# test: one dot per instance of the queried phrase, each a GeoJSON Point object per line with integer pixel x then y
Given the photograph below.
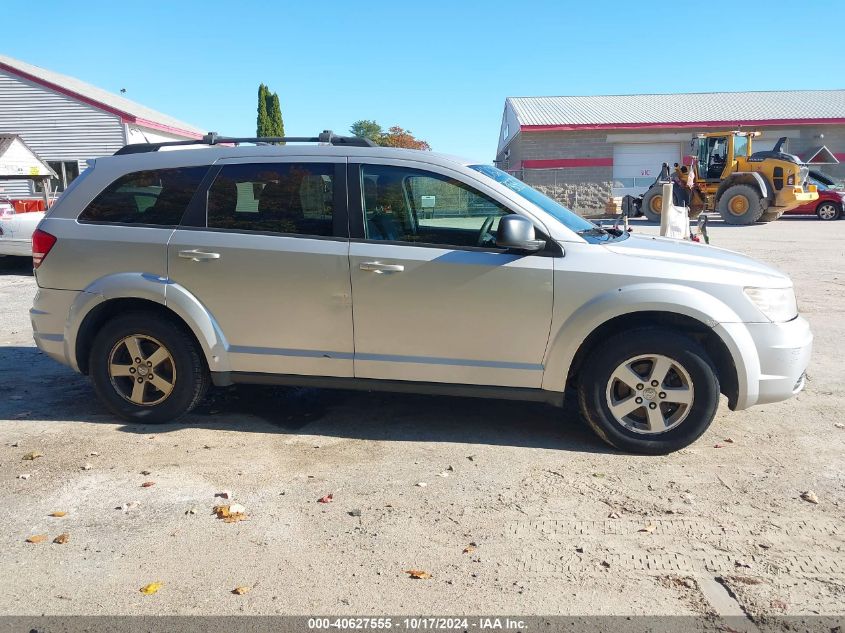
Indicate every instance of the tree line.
{"type": "Point", "coordinates": [271, 123]}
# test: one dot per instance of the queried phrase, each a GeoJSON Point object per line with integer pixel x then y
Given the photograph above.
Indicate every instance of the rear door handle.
{"type": "Point", "coordinates": [378, 267]}
{"type": "Point", "coordinates": [197, 255]}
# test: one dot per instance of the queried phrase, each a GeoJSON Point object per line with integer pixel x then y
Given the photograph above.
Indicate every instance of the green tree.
{"type": "Point", "coordinates": [270, 122]}
{"type": "Point", "coordinates": [263, 124]}
{"type": "Point", "coordinates": [367, 129]}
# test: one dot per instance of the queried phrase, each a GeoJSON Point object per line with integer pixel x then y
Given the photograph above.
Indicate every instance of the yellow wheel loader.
{"type": "Point", "coordinates": [744, 187]}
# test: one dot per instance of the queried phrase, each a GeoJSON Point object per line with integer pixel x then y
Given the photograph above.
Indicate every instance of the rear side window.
{"type": "Point", "coordinates": [293, 198]}
{"type": "Point", "coordinates": [156, 197]}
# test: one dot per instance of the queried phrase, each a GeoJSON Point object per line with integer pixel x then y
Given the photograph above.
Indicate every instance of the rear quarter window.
{"type": "Point", "coordinates": [156, 197]}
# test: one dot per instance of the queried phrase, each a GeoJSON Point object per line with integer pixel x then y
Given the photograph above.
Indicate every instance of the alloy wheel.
{"type": "Point", "coordinates": [142, 370]}
{"type": "Point", "coordinates": [650, 394]}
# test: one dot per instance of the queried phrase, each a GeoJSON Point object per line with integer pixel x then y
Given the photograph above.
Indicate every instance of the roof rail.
{"type": "Point", "coordinates": [213, 138]}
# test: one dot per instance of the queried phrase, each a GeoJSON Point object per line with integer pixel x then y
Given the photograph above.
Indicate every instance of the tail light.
{"type": "Point", "coordinates": [42, 242]}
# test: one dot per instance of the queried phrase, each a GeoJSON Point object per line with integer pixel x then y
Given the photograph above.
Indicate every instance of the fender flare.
{"type": "Point", "coordinates": [747, 178]}
{"type": "Point", "coordinates": [671, 298]}
{"type": "Point", "coordinates": [160, 290]}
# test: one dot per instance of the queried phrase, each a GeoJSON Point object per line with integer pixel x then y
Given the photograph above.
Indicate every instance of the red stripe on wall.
{"type": "Point", "coordinates": [681, 124]}
{"type": "Point", "coordinates": [558, 163]}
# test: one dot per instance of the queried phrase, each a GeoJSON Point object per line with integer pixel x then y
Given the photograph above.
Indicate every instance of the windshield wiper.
{"type": "Point", "coordinates": [596, 230]}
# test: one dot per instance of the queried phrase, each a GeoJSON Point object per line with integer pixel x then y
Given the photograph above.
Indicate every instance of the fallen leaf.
{"type": "Point", "coordinates": [729, 440]}
{"type": "Point", "coordinates": [809, 496]}
{"type": "Point", "coordinates": [418, 574]}
{"type": "Point", "coordinates": [471, 458]}
{"type": "Point", "coordinates": [32, 455]}
{"type": "Point", "coordinates": [327, 499]}
{"type": "Point", "coordinates": [469, 549]}
{"type": "Point", "coordinates": [651, 527]}
{"type": "Point", "coordinates": [239, 591]}
{"type": "Point", "coordinates": [58, 513]}
{"type": "Point", "coordinates": [61, 539]}
{"type": "Point", "coordinates": [146, 472]}
{"type": "Point", "coordinates": [225, 494]}
{"type": "Point", "coordinates": [147, 484]}
{"type": "Point", "coordinates": [231, 514]}
{"type": "Point", "coordinates": [151, 588]}
{"type": "Point", "coordinates": [599, 475]}
{"type": "Point", "coordinates": [37, 538]}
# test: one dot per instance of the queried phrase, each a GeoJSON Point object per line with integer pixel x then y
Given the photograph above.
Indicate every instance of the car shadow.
{"type": "Point", "coordinates": [14, 265]}
{"type": "Point", "coordinates": [34, 387]}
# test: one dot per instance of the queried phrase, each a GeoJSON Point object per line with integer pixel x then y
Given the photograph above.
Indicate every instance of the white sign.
{"type": "Point", "coordinates": [427, 202]}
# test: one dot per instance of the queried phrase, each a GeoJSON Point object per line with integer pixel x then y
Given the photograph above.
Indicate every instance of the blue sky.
{"type": "Point", "coordinates": [440, 69]}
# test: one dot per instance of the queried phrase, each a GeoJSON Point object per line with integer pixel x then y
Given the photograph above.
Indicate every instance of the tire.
{"type": "Point", "coordinates": [631, 355]}
{"type": "Point", "coordinates": [652, 204]}
{"type": "Point", "coordinates": [828, 211]}
{"type": "Point", "coordinates": [740, 204]}
{"type": "Point", "coordinates": [180, 365]}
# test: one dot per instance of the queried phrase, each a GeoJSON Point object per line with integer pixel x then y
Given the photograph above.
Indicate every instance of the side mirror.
{"type": "Point", "coordinates": [516, 232]}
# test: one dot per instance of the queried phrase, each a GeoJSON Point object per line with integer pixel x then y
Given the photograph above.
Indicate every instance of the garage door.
{"type": "Point", "coordinates": [637, 165]}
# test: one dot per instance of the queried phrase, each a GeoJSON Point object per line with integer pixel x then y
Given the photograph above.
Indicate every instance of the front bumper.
{"type": "Point", "coordinates": [774, 360]}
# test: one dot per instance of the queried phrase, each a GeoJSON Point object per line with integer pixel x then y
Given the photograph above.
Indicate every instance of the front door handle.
{"type": "Point", "coordinates": [378, 267]}
{"type": "Point", "coordinates": [198, 255]}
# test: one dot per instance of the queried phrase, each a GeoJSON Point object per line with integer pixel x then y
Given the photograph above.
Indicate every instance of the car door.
{"type": "Point", "coordinates": [434, 299]}
{"type": "Point", "coordinates": [267, 256]}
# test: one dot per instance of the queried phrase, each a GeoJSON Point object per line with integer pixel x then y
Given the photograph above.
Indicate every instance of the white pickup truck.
{"type": "Point", "coordinates": [16, 230]}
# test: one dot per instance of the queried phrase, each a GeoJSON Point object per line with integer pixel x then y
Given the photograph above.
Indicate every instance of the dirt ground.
{"type": "Point", "coordinates": [511, 507]}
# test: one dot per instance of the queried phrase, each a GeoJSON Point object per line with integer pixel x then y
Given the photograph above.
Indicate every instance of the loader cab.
{"type": "Point", "coordinates": [715, 154]}
{"type": "Point", "coordinates": [712, 156]}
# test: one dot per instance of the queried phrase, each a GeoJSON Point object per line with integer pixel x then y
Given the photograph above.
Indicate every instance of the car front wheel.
{"type": "Point", "coordinates": [649, 391]}
{"type": "Point", "coordinates": [147, 368]}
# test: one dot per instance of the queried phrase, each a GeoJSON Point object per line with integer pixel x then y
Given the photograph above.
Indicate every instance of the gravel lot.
{"type": "Point", "coordinates": [523, 510]}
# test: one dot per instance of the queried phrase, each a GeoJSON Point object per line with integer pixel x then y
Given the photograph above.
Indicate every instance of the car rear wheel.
{"type": "Point", "coordinates": [649, 391]}
{"type": "Point", "coordinates": [828, 211]}
{"type": "Point", "coordinates": [146, 368]}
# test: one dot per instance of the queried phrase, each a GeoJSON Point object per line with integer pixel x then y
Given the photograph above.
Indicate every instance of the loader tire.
{"type": "Point", "coordinates": [740, 204]}
{"type": "Point", "coordinates": [652, 204]}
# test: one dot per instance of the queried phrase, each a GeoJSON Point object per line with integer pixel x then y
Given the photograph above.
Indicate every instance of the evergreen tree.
{"type": "Point", "coordinates": [274, 113]}
{"type": "Point", "coordinates": [263, 123]}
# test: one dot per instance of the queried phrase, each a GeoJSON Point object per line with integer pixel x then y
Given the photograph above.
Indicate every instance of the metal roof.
{"type": "Point", "coordinates": [654, 109]}
{"type": "Point", "coordinates": [126, 108]}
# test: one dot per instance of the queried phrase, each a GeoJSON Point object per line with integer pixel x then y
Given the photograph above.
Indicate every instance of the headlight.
{"type": "Point", "coordinates": [778, 304]}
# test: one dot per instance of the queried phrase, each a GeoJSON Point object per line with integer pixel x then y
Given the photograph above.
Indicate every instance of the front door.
{"type": "Point", "coordinates": [269, 261]}
{"type": "Point", "coordinates": [434, 299]}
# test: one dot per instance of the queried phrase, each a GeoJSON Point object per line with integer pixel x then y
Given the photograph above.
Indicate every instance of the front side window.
{"type": "Point", "coordinates": [293, 198]}
{"type": "Point", "coordinates": [410, 205]}
{"type": "Point", "coordinates": [740, 146]}
{"type": "Point", "coordinates": [156, 197]}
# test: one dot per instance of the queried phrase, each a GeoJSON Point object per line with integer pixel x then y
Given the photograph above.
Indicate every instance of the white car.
{"type": "Point", "coordinates": [16, 230]}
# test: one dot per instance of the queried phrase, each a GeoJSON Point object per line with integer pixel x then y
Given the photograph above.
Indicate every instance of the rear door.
{"type": "Point", "coordinates": [267, 256]}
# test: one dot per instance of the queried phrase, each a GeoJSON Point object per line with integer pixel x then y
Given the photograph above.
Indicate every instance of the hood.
{"type": "Point", "coordinates": [664, 251]}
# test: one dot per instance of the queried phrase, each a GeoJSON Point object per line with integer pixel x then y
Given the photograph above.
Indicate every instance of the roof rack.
{"type": "Point", "coordinates": [213, 138]}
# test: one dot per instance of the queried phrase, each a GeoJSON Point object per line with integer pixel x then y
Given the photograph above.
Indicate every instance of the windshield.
{"type": "Point", "coordinates": [584, 228]}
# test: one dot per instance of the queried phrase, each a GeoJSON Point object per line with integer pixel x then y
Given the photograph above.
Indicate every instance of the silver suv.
{"type": "Point", "coordinates": [343, 265]}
